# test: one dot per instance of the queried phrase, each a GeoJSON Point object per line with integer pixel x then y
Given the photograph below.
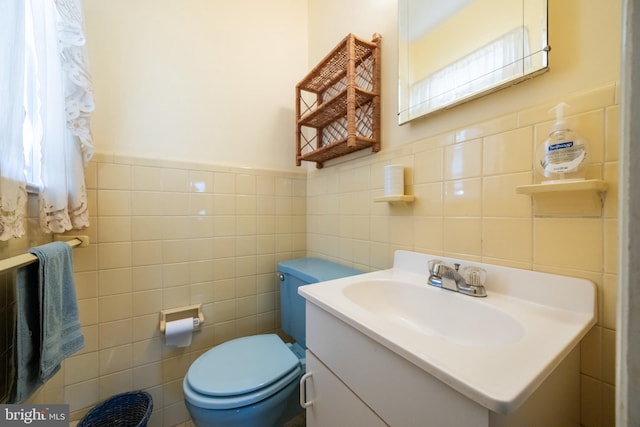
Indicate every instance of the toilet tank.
{"type": "Point", "coordinates": [299, 272]}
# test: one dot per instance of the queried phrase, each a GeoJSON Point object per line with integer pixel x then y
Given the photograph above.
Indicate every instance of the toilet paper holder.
{"type": "Point", "coordinates": [193, 311]}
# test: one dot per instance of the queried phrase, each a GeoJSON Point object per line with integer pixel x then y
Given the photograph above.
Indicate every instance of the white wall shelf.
{"type": "Point", "coordinates": [595, 185]}
{"type": "Point", "coordinates": [566, 198]}
{"type": "Point", "coordinates": [394, 199]}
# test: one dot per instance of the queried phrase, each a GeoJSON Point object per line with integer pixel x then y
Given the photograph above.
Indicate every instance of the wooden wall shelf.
{"type": "Point", "coordinates": [338, 103]}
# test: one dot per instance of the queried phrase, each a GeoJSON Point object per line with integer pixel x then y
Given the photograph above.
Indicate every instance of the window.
{"type": "Point", "coordinates": [44, 117]}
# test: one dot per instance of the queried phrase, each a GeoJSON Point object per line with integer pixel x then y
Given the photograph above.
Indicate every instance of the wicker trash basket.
{"type": "Point", "coordinates": [131, 409]}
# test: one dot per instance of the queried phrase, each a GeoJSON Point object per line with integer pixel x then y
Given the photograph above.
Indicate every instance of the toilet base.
{"type": "Point", "coordinates": [292, 412]}
{"type": "Point", "coordinates": [271, 412]}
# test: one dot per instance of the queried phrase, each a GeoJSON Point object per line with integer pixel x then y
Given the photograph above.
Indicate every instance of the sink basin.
{"type": "Point", "coordinates": [436, 312]}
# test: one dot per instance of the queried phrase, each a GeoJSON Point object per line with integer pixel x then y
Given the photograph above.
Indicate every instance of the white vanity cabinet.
{"type": "Point", "coordinates": [398, 391]}
{"type": "Point", "coordinates": [387, 348]}
{"type": "Point", "coordinates": [332, 403]}
{"type": "Point", "coordinates": [356, 382]}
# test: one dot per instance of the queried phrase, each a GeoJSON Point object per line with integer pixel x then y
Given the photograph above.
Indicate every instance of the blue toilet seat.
{"type": "Point", "coordinates": [241, 372]}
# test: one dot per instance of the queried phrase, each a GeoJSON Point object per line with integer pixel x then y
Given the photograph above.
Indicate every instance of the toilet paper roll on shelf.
{"type": "Point", "coordinates": [393, 180]}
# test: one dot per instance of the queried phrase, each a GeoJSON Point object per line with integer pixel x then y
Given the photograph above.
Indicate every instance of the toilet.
{"type": "Point", "coordinates": [253, 381]}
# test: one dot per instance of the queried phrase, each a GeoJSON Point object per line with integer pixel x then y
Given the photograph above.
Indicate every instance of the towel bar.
{"type": "Point", "coordinates": [26, 259]}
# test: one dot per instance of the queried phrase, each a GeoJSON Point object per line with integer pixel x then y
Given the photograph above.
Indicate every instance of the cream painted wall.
{"type": "Point", "coordinates": [581, 57]}
{"type": "Point", "coordinates": [210, 81]}
{"type": "Point", "coordinates": [213, 81]}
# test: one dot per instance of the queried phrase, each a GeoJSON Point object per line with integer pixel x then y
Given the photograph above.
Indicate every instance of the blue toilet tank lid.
{"type": "Point", "coordinates": [312, 270]}
{"type": "Point", "coordinates": [241, 366]}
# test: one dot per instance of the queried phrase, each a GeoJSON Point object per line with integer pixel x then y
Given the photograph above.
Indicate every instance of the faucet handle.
{"type": "Point", "coordinates": [474, 275]}
{"type": "Point", "coordinates": [434, 266]}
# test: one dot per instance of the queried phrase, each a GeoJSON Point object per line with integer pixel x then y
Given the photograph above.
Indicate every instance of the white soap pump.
{"type": "Point", "coordinates": [563, 155]}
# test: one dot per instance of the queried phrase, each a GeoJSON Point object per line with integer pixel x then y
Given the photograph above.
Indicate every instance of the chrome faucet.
{"type": "Point", "coordinates": [443, 276]}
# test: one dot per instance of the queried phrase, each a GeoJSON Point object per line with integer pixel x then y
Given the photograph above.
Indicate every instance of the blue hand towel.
{"type": "Point", "coordinates": [26, 338]}
{"type": "Point", "coordinates": [61, 331]}
{"type": "Point", "coordinates": [47, 325]}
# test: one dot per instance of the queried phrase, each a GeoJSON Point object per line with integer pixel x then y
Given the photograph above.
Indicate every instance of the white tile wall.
{"type": "Point", "coordinates": [466, 207]}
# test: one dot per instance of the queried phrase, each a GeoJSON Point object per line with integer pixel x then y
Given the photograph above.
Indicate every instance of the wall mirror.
{"type": "Point", "coordinates": [452, 51]}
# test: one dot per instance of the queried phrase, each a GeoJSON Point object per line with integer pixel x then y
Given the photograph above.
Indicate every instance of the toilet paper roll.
{"type": "Point", "coordinates": [178, 332]}
{"type": "Point", "coordinates": [393, 180]}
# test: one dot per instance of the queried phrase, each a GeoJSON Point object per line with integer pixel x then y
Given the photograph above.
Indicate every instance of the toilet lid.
{"type": "Point", "coordinates": [241, 366]}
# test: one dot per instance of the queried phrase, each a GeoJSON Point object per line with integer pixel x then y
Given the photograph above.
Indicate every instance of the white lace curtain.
{"type": "Point", "coordinates": [45, 106]}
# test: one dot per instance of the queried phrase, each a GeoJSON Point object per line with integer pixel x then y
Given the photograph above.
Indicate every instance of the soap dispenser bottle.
{"type": "Point", "coordinates": [563, 155]}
